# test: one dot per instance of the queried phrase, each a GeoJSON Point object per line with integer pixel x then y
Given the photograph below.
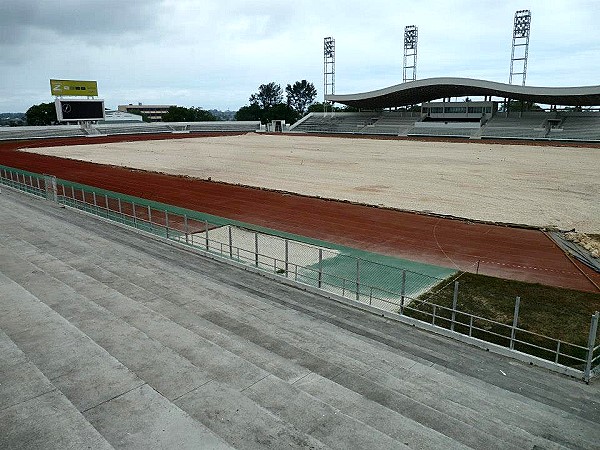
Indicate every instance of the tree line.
{"type": "Point", "coordinates": [268, 102]}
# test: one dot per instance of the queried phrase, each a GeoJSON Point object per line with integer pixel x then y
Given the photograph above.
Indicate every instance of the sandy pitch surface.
{"type": "Point", "coordinates": [542, 186]}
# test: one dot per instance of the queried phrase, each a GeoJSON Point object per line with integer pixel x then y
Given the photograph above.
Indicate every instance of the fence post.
{"type": "Point", "coordinates": [206, 234]}
{"type": "Point", "coordinates": [230, 239]}
{"type": "Point", "coordinates": [403, 291]}
{"type": "Point", "coordinates": [186, 228]}
{"type": "Point", "coordinates": [95, 202]}
{"type": "Point", "coordinates": [150, 218]}
{"type": "Point", "coordinates": [591, 345]}
{"type": "Point", "coordinates": [120, 206]}
{"type": "Point", "coordinates": [287, 256]}
{"type": "Point", "coordinates": [320, 281]}
{"type": "Point", "coordinates": [454, 303]}
{"type": "Point", "coordinates": [134, 217]}
{"type": "Point", "coordinates": [515, 323]}
{"type": "Point", "coordinates": [83, 198]}
{"type": "Point", "coordinates": [357, 279]}
{"type": "Point", "coordinates": [256, 249]}
{"type": "Point", "coordinates": [50, 185]}
{"type": "Point", "coordinates": [167, 223]}
{"type": "Point", "coordinates": [106, 204]}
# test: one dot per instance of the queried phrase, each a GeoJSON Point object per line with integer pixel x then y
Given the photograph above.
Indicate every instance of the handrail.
{"type": "Point", "coordinates": [314, 274]}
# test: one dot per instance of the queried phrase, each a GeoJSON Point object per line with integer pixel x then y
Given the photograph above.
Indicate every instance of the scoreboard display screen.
{"type": "Point", "coordinates": [74, 110]}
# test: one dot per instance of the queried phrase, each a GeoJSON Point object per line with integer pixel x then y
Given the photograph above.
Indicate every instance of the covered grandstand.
{"type": "Point", "coordinates": [571, 114]}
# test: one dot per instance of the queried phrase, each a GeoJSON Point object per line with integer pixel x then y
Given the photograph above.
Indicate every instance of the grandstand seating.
{"type": "Point", "coordinates": [394, 123]}
{"type": "Point", "coordinates": [458, 132]}
{"type": "Point", "coordinates": [580, 127]}
{"type": "Point", "coordinates": [532, 125]}
{"type": "Point", "coordinates": [128, 128]}
{"type": "Point", "coordinates": [223, 126]}
{"type": "Point", "coordinates": [15, 133]}
{"type": "Point", "coordinates": [334, 123]}
{"type": "Point", "coordinates": [379, 122]}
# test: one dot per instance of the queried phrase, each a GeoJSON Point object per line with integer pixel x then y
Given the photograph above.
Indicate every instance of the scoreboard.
{"type": "Point", "coordinates": [80, 109]}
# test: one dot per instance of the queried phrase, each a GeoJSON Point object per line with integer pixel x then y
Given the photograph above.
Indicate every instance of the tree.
{"type": "Point", "coordinates": [300, 95]}
{"type": "Point", "coordinates": [182, 114]}
{"type": "Point", "coordinates": [252, 112]}
{"type": "Point", "coordinates": [42, 114]}
{"type": "Point", "coordinates": [518, 106]}
{"type": "Point", "coordinates": [268, 95]}
{"type": "Point", "coordinates": [281, 111]}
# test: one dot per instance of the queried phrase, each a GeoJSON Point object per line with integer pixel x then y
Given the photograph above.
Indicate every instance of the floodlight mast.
{"type": "Point", "coordinates": [409, 66]}
{"type": "Point", "coordinates": [328, 70]}
{"type": "Point", "coordinates": [520, 45]}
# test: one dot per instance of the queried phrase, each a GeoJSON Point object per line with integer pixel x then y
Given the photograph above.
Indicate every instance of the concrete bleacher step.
{"type": "Point", "coordinates": [237, 378]}
{"type": "Point", "coordinates": [156, 288]}
{"type": "Point", "coordinates": [92, 379]}
{"type": "Point", "coordinates": [34, 414]}
{"type": "Point", "coordinates": [225, 319]}
{"type": "Point", "coordinates": [65, 273]}
{"type": "Point", "coordinates": [307, 360]}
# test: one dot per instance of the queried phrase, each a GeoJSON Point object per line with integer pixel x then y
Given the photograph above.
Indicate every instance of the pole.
{"type": "Point", "coordinates": [186, 228]}
{"type": "Point", "coordinates": [206, 233]}
{"type": "Point", "coordinates": [230, 242]}
{"type": "Point", "coordinates": [515, 323]}
{"type": "Point", "coordinates": [320, 281]}
{"type": "Point", "coordinates": [287, 257]}
{"type": "Point", "coordinates": [167, 223]}
{"type": "Point", "coordinates": [256, 249]}
{"type": "Point", "coordinates": [134, 218]}
{"type": "Point", "coordinates": [403, 291]}
{"type": "Point", "coordinates": [454, 303]}
{"type": "Point", "coordinates": [357, 279]}
{"type": "Point", "coordinates": [591, 345]}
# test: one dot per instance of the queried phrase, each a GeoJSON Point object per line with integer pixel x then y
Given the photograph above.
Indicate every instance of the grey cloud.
{"type": "Point", "coordinates": [89, 20]}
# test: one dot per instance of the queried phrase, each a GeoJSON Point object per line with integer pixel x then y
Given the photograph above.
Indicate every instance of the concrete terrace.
{"type": "Point", "coordinates": [109, 339]}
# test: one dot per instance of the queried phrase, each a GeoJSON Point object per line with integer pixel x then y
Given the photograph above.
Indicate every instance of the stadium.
{"type": "Point", "coordinates": [322, 284]}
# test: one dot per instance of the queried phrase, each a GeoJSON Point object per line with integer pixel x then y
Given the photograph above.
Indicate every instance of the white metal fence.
{"type": "Point", "coordinates": [387, 288]}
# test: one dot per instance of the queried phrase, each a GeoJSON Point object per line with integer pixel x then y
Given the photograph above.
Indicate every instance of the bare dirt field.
{"type": "Point", "coordinates": [534, 185]}
{"type": "Point", "coordinates": [500, 251]}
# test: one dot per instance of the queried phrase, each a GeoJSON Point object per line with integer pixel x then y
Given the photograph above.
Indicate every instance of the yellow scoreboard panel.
{"type": "Point", "coordinates": [74, 87]}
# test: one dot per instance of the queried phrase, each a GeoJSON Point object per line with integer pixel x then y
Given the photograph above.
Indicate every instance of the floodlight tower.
{"type": "Point", "coordinates": [328, 69]}
{"type": "Point", "coordinates": [520, 44]}
{"type": "Point", "coordinates": [409, 67]}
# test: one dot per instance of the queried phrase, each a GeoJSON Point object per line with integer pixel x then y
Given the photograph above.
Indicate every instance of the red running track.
{"type": "Point", "coordinates": [502, 251]}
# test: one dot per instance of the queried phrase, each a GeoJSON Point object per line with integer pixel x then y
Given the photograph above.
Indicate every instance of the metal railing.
{"type": "Point", "coordinates": [387, 288]}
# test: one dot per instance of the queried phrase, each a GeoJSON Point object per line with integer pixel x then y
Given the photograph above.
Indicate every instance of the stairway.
{"type": "Point", "coordinates": [141, 345]}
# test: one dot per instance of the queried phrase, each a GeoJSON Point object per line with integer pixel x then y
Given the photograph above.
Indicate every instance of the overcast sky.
{"type": "Point", "coordinates": [214, 54]}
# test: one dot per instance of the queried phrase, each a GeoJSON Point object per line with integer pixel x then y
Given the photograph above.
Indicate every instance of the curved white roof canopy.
{"type": "Point", "coordinates": [419, 91]}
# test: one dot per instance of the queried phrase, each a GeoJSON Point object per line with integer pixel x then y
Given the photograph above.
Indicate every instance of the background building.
{"type": "Point", "coordinates": [154, 112]}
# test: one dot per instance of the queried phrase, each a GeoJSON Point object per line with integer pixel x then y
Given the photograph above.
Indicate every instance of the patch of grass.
{"type": "Point", "coordinates": [554, 312]}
